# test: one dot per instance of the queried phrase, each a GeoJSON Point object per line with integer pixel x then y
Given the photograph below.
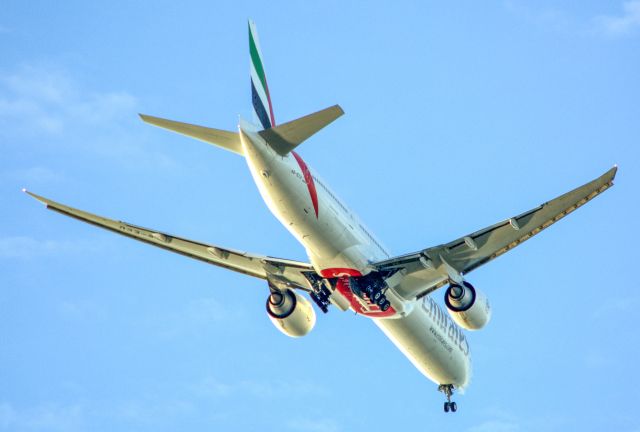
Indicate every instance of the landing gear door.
{"type": "Point", "coordinates": [339, 301]}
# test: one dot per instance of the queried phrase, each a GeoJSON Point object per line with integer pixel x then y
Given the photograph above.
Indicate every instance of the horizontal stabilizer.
{"type": "Point", "coordinates": [286, 137]}
{"type": "Point", "coordinates": [221, 138]}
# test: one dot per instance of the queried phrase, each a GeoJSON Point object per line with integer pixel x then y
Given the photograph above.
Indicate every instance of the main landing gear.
{"type": "Point", "coordinates": [320, 294]}
{"type": "Point", "coordinates": [372, 287]}
{"type": "Point", "coordinates": [377, 297]}
{"type": "Point", "coordinates": [447, 389]}
{"type": "Point", "coordinates": [321, 297]}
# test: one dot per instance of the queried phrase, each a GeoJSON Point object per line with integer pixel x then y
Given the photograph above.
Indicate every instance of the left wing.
{"type": "Point", "coordinates": [423, 272]}
{"type": "Point", "coordinates": [277, 270]}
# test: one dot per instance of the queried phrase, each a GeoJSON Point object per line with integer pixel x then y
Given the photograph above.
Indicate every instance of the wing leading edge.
{"type": "Point", "coordinates": [264, 267]}
{"type": "Point", "coordinates": [428, 269]}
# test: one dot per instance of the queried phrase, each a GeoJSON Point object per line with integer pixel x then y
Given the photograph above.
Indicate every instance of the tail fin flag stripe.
{"type": "Point", "coordinates": [260, 90]}
{"type": "Point", "coordinates": [259, 108]}
{"type": "Point", "coordinates": [266, 87]}
{"type": "Point", "coordinates": [256, 60]}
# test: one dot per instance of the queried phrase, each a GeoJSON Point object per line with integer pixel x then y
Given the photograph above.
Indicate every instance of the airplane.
{"type": "Point", "coordinates": [348, 268]}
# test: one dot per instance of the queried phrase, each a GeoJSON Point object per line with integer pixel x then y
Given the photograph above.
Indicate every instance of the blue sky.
{"type": "Point", "coordinates": [457, 115]}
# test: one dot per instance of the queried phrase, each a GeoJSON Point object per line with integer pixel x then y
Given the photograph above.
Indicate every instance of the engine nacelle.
{"type": "Point", "coordinates": [468, 307]}
{"type": "Point", "coordinates": [291, 313]}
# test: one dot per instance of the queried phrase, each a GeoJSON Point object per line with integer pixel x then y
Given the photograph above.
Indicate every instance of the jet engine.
{"type": "Point", "coordinates": [290, 312]}
{"type": "Point", "coordinates": [468, 307]}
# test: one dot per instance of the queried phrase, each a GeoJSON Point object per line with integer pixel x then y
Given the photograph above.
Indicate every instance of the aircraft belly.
{"type": "Point", "coordinates": [434, 345]}
{"type": "Point", "coordinates": [310, 218]}
{"type": "Point", "coordinates": [324, 235]}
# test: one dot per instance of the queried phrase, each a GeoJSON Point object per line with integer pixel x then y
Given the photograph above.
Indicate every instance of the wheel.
{"type": "Point", "coordinates": [385, 306]}
{"type": "Point", "coordinates": [376, 296]}
{"type": "Point", "coordinates": [382, 300]}
{"type": "Point", "coordinates": [446, 407]}
{"type": "Point", "coordinates": [454, 406]}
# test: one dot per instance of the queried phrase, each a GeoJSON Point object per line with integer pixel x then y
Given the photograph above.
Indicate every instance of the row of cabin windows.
{"type": "Point", "coordinates": [347, 212]}
{"type": "Point", "coordinates": [372, 239]}
{"type": "Point", "coordinates": [326, 189]}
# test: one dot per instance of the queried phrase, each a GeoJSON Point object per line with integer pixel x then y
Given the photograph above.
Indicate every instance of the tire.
{"type": "Point", "coordinates": [385, 306]}
{"type": "Point", "coordinates": [376, 296]}
{"type": "Point", "coordinates": [382, 300]}
{"type": "Point", "coordinates": [446, 407]}
{"type": "Point", "coordinates": [454, 407]}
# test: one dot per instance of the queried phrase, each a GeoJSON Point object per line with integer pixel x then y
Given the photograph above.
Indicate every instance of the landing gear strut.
{"type": "Point", "coordinates": [447, 389]}
{"type": "Point", "coordinates": [321, 298]}
{"type": "Point", "coordinates": [320, 294]}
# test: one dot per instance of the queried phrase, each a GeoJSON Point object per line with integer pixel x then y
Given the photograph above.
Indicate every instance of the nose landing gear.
{"type": "Point", "coordinates": [447, 389]}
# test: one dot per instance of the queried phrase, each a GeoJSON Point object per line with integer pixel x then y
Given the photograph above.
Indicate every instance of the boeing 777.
{"type": "Point", "coordinates": [348, 268]}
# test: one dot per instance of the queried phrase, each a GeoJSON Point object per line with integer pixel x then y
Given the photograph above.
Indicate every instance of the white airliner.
{"type": "Point", "coordinates": [347, 266]}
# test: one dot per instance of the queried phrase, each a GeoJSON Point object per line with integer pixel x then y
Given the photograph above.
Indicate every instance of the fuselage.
{"type": "Point", "coordinates": [339, 245]}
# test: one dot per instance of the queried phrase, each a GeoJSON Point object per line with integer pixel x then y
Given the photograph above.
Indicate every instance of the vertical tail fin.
{"type": "Point", "coordinates": [259, 90]}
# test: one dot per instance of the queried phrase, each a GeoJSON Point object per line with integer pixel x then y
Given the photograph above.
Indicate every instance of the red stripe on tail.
{"type": "Point", "coordinates": [308, 178]}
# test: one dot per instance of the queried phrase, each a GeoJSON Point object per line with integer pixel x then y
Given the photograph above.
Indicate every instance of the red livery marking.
{"type": "Point", "coordinates": [308, 178]}
{"type": "Point", "coordinates": [266, 87]}
{"type": "Point", "coordinates": [337, 272]}
{"type": "Point", "coordinates": [368, 309]}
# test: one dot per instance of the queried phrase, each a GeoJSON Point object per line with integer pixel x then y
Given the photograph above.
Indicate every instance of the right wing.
{"type": "Point", "coordinates": [289, 272]}
{"type": "Point", "coordinates": [424, 271]}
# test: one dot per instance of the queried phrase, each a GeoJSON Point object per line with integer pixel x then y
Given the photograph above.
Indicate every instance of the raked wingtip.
{"type": "Point", "coordinates": [37, 197]}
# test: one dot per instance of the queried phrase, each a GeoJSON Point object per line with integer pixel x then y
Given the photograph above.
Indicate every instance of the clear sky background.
{"type": "Point", "coordinates": [458, 114]}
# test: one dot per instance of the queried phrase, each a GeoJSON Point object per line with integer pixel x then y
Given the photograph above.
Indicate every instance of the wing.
{"type": "Point", "coordinates": [424, 271]}
{"type": "Point", "coordinates": [265, 267]}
